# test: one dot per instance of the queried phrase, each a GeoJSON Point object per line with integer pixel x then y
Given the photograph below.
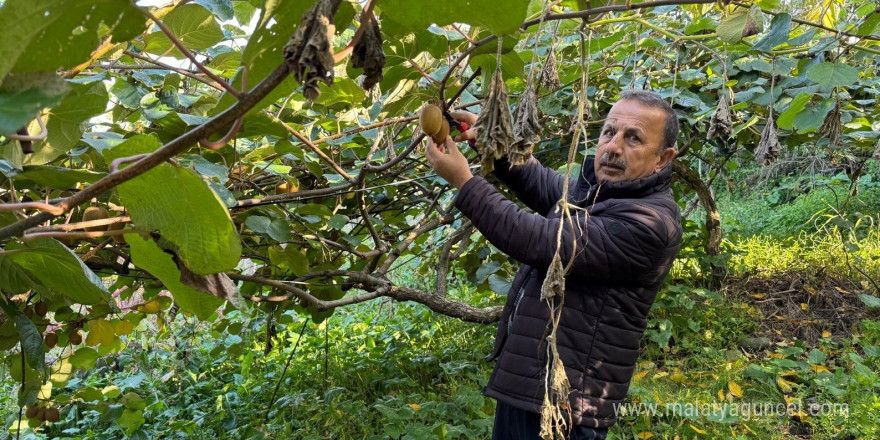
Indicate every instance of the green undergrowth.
{"type": "Point", "coordinates": [384, 370]}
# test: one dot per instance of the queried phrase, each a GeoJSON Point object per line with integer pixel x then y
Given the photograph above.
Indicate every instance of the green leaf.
{"type": "Point", "coordinates": [731, 28]}
{"type": "Point", "coordinates": [52, 34]}
{"type": "Point", "coordinates": [833, 74]}
{"type": "Point", "coordinates": [221, 8]}
{"type": "Point", "coordinates": [500, 16]}
{"type": "Point", "coordinates": [100, 333]}
{"type": "Point", "coordinates": [66, 121]}
{"type": "Point", "coordinates": [84, 359]}
{"type": "Point", "coordinates": [870, 24]}
{"type": "Point", "coordinates": [870, 300]}
{"type": "Point", "coordinates": [178, 204]}
{"type": "Point", "coordinates": [54, 266]}
{"type": "Point", "coordinates": [786, 119]}
{"type": "Point", "coordinates": [31, 342]}
{"type": "Point", "coordinates": [296, 260]}
{"type": "Point", "coordinates": [192, 24]}
{"type": "Point", "coordinates": [780, 27]}
{"type": "Point", "coordinates": [15, 279]}
{"type": "Point", "coordinates": [130, 420]}
{"type": "Point", "coordinates": [812, 118]}
{"type": "Point", "coordinates": [24, 94]}
{"type": "Point", "coordinates": [58, 177]}
{"type": "Point", "coordinates": [147, 255]}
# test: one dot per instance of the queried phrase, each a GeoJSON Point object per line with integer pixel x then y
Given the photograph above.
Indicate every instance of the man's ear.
{"type": "Point", "coordinates": [665, 157]}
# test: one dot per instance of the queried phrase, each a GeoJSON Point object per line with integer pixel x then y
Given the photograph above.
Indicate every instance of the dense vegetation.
{"type": "Point", "coordinates": [210, 229]}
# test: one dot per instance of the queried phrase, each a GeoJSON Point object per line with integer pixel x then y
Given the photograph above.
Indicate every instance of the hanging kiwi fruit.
{"type": "Point", "coordinates": [433, 123]}
{"type": "Point", "coordinates": [95, 213]}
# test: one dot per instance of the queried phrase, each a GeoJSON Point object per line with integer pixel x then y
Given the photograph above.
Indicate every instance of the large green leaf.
{"type": "Point", "coordinates": [192, 24]}
{"type": "Point", "coordinates": [178, 204]}
{"type": "Point", "coordinates": [786, 119]}
{"type": "Point", "coordinates": [31, 342]}
{"type": "Point", "coordinates": [147, 255]}
{"type": "Point", "coordinates": [780, 27]}
{"type": "Point", "coordinates": [52, 34]}
{"type": "Point", "coordinates": [24, 94]}
{"type": "Point", "coordinates": [833, 74]}
{"type": "Point", "coordinates": [499, 16]}
{"type": "Point", "coordinates": [67, 119]}
{"type": "Point", "coordinates": [14, 279]}
{"type": "Point", "coordinates": [52, 265]}
{"type": "Point", "coordinates": [58, 177]}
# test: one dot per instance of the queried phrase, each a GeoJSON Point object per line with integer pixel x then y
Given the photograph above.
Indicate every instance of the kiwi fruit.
{"type": "Point", "coordinates": [75, 337]}
{"type": "Point", "coordinates": [440, 136]}
{"type": "Point", "coordinates": [51, 340]}
{"type": "Point", "coordinates": [431, 119]}
{"type": "Point", "coordinates": [29, 312]}
{"type": "Point", "coordinates": [52, 414]}
{"type": "Point", "coordinates": [95, 213]}
{"type": "Point", "coordinates": [31, 412]}
{"type": "Point", "coordinates": [41, 414]}
{"type": "Point", "coordinates": [41, 309]}
{"type": "Point", "coordinates": [118, 226]}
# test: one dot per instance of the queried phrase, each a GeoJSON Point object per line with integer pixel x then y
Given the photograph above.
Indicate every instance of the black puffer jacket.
{"type": "Point", "coordinates": [623, 250]}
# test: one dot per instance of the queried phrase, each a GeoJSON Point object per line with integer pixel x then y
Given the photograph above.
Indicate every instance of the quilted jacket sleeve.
{"type": "Point", "coordinates": [622, 244]}
{"type": "Point", "coordinates": [524, 179]}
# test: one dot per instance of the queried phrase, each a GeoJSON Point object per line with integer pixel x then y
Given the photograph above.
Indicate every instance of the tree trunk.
{"type": "Point", "coordinates": [713, 217]}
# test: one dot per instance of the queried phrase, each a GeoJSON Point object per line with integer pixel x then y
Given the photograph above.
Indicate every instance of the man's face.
{"type": "Point", "coordinates": [629, 143]}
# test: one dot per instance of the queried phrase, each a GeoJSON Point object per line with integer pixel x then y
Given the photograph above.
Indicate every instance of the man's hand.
{"type": "Point", "coordinates": [448, 162]}
{"type": "Point", "coordinates": [471, 119]}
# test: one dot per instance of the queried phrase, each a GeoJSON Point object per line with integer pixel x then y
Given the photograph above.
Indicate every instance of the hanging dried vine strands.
{"type": "Point", "coordinates": [309, 51]}
{"type": "Point", "coordinates": [556, 408]}
{"type": "Point", "coordinates": [876, 154]}
{"type": "Point", "coordinates": [526, 127]}
{"type": "Point", "coordinates": [768, 148]}
{"type": "Point", "coordinates": [495, 127]}
{"type": "Point", "coordinates": [720, 125]}
{"type": "Point", "coordinates": [831, 126]}
{"type": "Point", "coordinates": [368, 54]}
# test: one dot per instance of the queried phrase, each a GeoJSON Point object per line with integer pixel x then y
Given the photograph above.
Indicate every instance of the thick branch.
{"type": "Point", "coordinates": [169, 150]}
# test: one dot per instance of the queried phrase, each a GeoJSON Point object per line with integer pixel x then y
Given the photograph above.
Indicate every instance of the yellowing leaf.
{"type": "Point", "coordinates": [721, 394]}
{"type": "Point", "coordinates": [640, 375]}
{"type": "Point", "coordinates": [784, 385]}
{"type": "Point", "coordinates": [415, 406]}
{"type": "Point", "coordinates": [123, 327]}
{"type": "Point", "coordinates": [678, 377]}
{"type": "Point", "coordinates": [826, 334]}
{"type": "Point", "coordinates": [697, 430]}
{"type": "Point", "coordinates": [100, 333]}
{"type": "Point", "coordinates": [660, 374]}
{"type": "Point", "coordinates": [841, 290]}
{"type": "Point", "coordinates": [735, 389]}
{"type": "Point", "coordinates": [788, 373]}
{"type": "Point", "coordinates": [804, 306]}
{"type": "Point", "coordinates": [758, 295]}
{"type": "Point", "coordinates": [645, 435]}
{"type": "Point", "coordinates": [864, 285]}
{"type": "Point", "coordinates": [819, 368]}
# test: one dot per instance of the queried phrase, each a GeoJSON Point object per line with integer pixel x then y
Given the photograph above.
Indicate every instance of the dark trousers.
{"type": "Point", "coordinates": [517, 424]}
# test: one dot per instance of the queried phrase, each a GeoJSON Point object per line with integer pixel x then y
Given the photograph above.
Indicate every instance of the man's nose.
{"type": "Point", "coordinates": [615, 145]}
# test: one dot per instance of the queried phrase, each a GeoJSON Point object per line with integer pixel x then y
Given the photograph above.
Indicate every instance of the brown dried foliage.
{"type": "Point", "coordinates": [720, 125]}
{"type": "Point", "coordinates": [309, 51]}
{"type": "Point", "coordinates": [368, 54]}
{"type": "Point", "coordinates": [548, 77]}
{"type": "Point", "coordinates": [831, 126]}
{"type": "Point", "coordinates": [526, 127]}
{"type": "Point", "coordinates": [495, 125]}
{"type": "Point", "coordinates": [768, 148]}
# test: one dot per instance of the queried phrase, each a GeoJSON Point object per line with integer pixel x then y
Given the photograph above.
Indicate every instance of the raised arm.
{"type": "Point", "coordinates": [624, 244]}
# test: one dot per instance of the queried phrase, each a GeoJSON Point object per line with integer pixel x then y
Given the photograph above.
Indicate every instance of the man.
{"type": "Point", "coordinates": [623, 248]}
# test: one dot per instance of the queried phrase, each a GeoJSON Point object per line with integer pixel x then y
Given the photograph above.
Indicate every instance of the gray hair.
{"type": "Point", "coordinates": [651, 99]}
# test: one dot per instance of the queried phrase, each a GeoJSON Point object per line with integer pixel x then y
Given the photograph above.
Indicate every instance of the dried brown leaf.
{"type": "Point", "coordinates": [368, 55]}
{"type": "Point", "coordinates": [548, 77]}
{"type": "Point", "coordinates": [720, 125]}
{"type": "Point", "coordinates": [309, 52]}
{"type": "Point", "coordinates": [495, 126]}
{"type": "Point", "coordinates": [831, 126]}
{"type": "Point", "coordinates": [769, 147]}
{"type": "Point", "coordinates": [526, 127]}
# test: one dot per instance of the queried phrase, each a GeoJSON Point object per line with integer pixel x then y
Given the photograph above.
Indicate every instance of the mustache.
{"type": "Point", "coordinates": [607, 159]}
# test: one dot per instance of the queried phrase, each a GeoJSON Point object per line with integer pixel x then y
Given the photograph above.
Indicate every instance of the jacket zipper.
{"type": "Point", "coordinates": [519, 296]}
